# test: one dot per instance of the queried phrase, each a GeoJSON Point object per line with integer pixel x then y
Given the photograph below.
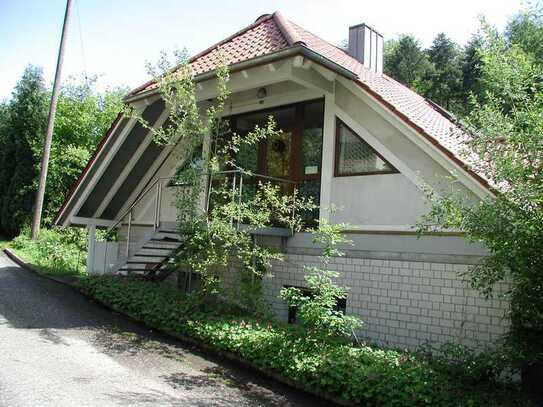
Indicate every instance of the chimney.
{"type": "Point", "coordinates": [366, 45]}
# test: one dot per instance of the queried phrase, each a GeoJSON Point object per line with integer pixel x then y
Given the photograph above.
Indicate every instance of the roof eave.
{"type": "Point", "coordinates": [295, 50]}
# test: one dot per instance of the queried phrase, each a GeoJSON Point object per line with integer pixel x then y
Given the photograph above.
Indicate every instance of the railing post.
{"type": "Point", "coordinates": [128, 233]}
{"type": "Point", "coordinates": [157, 205]}
{"type": "Point", "coordinates": [240, 197]}
{"type": "Point", "coordinates": [234, 181]}
{"type": "Point", "coordinates": [293, 209]}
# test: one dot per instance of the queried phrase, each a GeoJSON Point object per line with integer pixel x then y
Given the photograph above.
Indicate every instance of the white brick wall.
{"type": "Point", "coordinates": [402, 303]}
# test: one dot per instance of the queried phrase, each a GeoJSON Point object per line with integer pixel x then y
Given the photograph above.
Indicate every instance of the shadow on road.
{"type": "Point", "coordinates": [29, 301]}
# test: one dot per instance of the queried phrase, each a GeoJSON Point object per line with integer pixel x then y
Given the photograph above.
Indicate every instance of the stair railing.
{"type": "Point", "coordinates": [156, 188]}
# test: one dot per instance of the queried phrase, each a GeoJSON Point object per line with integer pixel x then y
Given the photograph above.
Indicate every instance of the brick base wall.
{"type": "Point", "coordinates": [402, 304]}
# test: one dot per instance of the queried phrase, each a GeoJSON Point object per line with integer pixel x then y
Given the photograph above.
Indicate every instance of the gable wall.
{"type": "Point", "coordinates": [384, 200]}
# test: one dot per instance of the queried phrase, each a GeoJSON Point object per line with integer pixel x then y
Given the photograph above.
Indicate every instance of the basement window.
{"type": "Point", "coordinates": [354, 156]}
{"type": "Point", "coordinates": [341, 305]}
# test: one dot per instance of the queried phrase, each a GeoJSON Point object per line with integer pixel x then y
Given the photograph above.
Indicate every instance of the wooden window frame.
{"type": "Point", "coordinates": [297, 139]}
{"type": "Point", "coordinates": [355, 174]}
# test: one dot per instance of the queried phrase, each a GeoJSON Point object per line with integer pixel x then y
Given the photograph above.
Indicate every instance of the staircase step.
{"type": "Point", "coordinates": [158, 248]}
{"type": "Point", "coordinates": [166, 240]}
{"type": "Point", "coordinates": [134, 269]}
{"type": "Point", "coordinates": [143, 262]}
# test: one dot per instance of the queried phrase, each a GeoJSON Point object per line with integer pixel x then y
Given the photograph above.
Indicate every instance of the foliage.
{"type": "Point", "coordinates": [57, 251]}
{"type": "Point", "coordinates": [316, 308]}
{"type": "Point", "coordinates": [83, 116]}
{"type": "Point", "coordinates": [506, 127]}
{"type": "Point", "coordinates": [446, 78]}
{"type": "Point", "coordinates": [467, 365]}
{"type": "Point", "coordinates": [210, 219]}
{"type": "Point", "coordinates": [23, 126]}
{"type": "Point", "coordinates": [406, 61]}
{"type": "Point", "coordinates": [362, 375]}
{"type": "Point", "coordinates": [526, 31]}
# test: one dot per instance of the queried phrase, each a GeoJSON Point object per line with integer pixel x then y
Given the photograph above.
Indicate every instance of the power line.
{"type": "Point", "coordinates": [80, 29]}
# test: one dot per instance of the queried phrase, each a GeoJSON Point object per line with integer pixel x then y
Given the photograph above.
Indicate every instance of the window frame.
{"type": "Point", "coordinates": [297, 139]}
{"type": "Point", "coordinates": [337, 173]}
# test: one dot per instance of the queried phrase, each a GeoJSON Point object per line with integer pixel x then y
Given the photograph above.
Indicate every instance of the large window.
{"type": "Point", "coordinates": [356, 157]}
{"type": "Point", "coordinates": [294, 155]}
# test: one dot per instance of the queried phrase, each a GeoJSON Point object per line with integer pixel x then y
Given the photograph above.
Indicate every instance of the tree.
{"type": "Point", "coordinates": [506, 127]}
{"type": "Point", "coordinates": [7, 164]}
{"type": "Point", "coordinates": [83, 116]}
{"type": "Point", "coordinates": [526, 31]}
{"type": "Point", "coordinates": [446, 79]}
{"type": "Point", "coordinates": [24, 130]}
{"type": "Point", "coordinates": [405, 61]}
{"type": "Point", "coordinates": [471, 73]}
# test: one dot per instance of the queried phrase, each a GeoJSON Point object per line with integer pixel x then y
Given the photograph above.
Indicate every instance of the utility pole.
{"type": "Point", "coordinates": [36, 221]}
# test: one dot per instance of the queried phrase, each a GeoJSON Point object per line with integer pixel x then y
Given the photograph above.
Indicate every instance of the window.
{"type": "Point", "coordinates": [341, 305]}
{"type": "Point", "coordinates": [356, 157]}
{"type": "Point", "coordinates": [294, 155]}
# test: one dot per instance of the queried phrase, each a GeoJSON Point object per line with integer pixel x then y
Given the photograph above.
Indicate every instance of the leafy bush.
{"type": "Point", "coordinates": [57, 251]}
{"type": "Point", "coordinates": [316, 307]}
{"type": "Point", "coordinates": [360, 374]}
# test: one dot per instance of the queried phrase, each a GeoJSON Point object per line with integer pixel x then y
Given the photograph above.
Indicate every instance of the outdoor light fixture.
{"type": "Point", "coordinates": [261, 93]}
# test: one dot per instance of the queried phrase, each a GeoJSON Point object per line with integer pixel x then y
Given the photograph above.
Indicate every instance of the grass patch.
{"type": "Point", "coordinates": [364, 375]}
{"type": "Point", "coordinates": [60, 252]}
{"type": "Point", "coordinates": [4, 242]}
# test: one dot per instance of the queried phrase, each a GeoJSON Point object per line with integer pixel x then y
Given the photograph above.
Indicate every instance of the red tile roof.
{"type": "Point", "coordinates": [272, 33]}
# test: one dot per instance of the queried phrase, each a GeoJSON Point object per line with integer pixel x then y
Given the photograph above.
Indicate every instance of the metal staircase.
{"type": "Point", "coordinates": [153, 254]}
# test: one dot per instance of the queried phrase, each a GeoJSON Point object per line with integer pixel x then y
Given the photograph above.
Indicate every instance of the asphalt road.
{"type": "Point", "coordinates": [59, 349]}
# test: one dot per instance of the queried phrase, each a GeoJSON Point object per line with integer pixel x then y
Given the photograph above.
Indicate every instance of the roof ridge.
{"type": "Point", "coordinates": [290, 34]}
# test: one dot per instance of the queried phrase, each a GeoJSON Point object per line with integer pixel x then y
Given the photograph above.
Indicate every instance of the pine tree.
{"type": "Point", "coordinates": [23, 133]}
{"type": "Point", "coordinates": [471, 72]}
{"type": "Point", "coordinates": [446, 80]}
{"type": "Point", "coordinates": [406, 62]}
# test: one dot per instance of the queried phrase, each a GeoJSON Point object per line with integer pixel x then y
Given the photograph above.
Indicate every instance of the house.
{"type": "Point", "coordinates": [355, 138]}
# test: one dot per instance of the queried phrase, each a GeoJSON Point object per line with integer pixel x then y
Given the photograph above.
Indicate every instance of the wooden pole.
{"type": "Point", "coordinates": [38, 207]}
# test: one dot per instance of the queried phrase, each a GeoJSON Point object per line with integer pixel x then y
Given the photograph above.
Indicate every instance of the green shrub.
{"type": "Point", "coordinates": [361, 374]}
{"type": "Point", "coordinates": [57, 251]}
{"type": "Point", "coordinates": [316, 307]}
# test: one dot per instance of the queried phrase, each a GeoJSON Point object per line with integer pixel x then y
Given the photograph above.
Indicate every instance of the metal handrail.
{"type": "Point", "coordinates": [158, 183]}
{"type": "Point", "coordinates": [140, 197]}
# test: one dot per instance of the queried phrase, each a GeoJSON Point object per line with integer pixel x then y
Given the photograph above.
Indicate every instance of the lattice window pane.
{"type": "Point", "coordinates": [355, 156]}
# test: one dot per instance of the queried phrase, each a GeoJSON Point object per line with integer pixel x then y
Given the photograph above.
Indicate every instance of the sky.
{"type": "Point", "coordinates": [114, 38]}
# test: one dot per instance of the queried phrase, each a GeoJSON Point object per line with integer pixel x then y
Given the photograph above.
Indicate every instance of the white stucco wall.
{"type": "Point", "coordinates": [384, 200]}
